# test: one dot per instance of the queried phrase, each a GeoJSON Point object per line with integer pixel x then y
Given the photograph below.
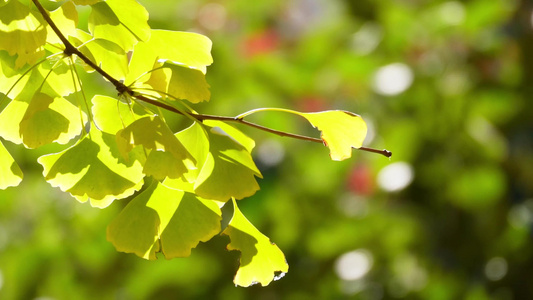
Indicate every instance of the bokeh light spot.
{"type": "Point", "coordinates": [353, 265]}
{"type": "Point", "coordinates": [452, 12]}
{"type": "Point", "coordinates": [396, 176]}
{"type": "Point", "coordinates": [367, 38]}
{"type": "Point", "coordinates": [270, 153]}
{"type": "Point", "coordinates": [212, 16]}
{"type": "Point", "coordinates": [521, 215]}
{"type": "Point", "coordinates": [392, 79]}
{"type": "Point", "coordinates": [496, 268]}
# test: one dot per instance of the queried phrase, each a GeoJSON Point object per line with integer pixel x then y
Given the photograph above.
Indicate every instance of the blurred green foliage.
{"type": "Point", "coordinates": [444, 85]}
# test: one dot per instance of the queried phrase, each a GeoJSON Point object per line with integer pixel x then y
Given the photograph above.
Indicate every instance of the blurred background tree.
{"type": "Point", "coordinates": [444, 85]}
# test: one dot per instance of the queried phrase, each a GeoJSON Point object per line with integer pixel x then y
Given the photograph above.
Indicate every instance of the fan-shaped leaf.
{"type": "Point", "coordinates": [226, 170]}
{"type": "Point", "coordinates": [65, 18]}
{"type": "Point", "coordinates": [85, 2]}
{"type": "Point", "coordinates": [40, 121]}
{"type": "Point", "coordinates": [111, 115]}
{"type": "Point", "coordinates": [93, 169]}
{"type": "Point", "coordinates": [21, 33]}
{"type": "Point", "coordinates": [341, 131]}
{"type": "Point", "coordinates": [106, 54]}
{"type": "Point", "coordinates": [10, 173]}
{"type": "Point", "coordinates": [166, 220]}
{"type": "Point", "coordinates": [260, 258]}
{"type": "Point", "coordinates": [188, 84]}
{"type": "Point", "coordinates": [189, 49]}
{"type": "Point", "coordinates": [168, 157]}
{"type": "Point", "coordinates": [124, 22]}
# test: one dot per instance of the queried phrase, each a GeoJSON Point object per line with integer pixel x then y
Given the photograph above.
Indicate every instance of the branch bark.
{"type": "Point", "coordinates": [123, 89]}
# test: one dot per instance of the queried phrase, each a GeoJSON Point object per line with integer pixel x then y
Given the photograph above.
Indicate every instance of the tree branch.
{"type": "Point", "coordinates": [123, 89]}
{"type": "Point", "coordinates": [70, 49]}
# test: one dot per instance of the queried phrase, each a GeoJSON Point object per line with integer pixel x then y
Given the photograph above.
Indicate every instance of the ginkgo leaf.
{"type": "Point", "coordinates": [93, 169]}
{"type": "Point", "coordinates": [341, 131]}
{"type": "Point", "coordinates": [228, 171]}
{"type": "Point", "coordinates": [65, 18]}
{"type": "Point", "coordinates": [225, 168]}
{"type": "Point", "coordinates": [21, 33]}
{"type": "Point", "coordinates": [124, 22]}
{"type": "Point", "coordinates": [234, 133]}
{"type": "Point", "coordinates": [153, 134]}
{"type": "Point", "coordinates": [106, 54]}
{"type": "Point", "coordinates": [111, 115]}
{"type": "Point", "coordinates": [9, 76]}
{"type": "Point", "coordinates": [260, 258]}
{"type": "Point", "coordinates": [188, 49]}
{"type": "Point", "coordinates": [40, 120]}
{"type": "Point", "coordinates": [85, 2]}
{"type": "Point", "coordinates": [52, 78]}
{"type": "Point", "coordinates": [35, 117]}
{"type": "Point", "coordinates": [10, 173]}
{"type": "Point", "coordinates": [161, 165]}
{"type": "Point", "coordinates": [164, 220]}
{"type": "Point", "coordinates": [186, 83]}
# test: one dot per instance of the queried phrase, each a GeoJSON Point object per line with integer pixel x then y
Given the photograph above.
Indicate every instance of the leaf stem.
{"type": "Point", "coordinates": [123, 89]}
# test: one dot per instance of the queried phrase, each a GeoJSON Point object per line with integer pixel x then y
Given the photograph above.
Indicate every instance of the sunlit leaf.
{"type": "Point", "coordinates": [153, 134]}
{"type": "Point", "coordinates": [85, 2]}
{"type": "Point", "coordinates": [106, 54]}
{"type": "Point", "coordinates": [234, 133]}
{"type": "Point", "coordinates": [260, 258]}
{"type": "Point", "coordinates": [39, 115]}
{"type": "Point", "coordinates": [93, 169]}
{"type": "Point", "coordinates": [124, 22]}
{"type": "Point", "coordinates": [164, 220]}
{"type": "Point", "coordinates": [21, 33]}
{"type": "Point", "coordinates": [228, 171]}
{"type": "Point", "coordinates": [66, 19]}
{"type": "Point", "coordinates": [111, 115]}
{"type": "Point", "coordinates": [9, 76]}
{"type": "Point", "coordinates": [40, 120]}
{"type": "Point", "coordinates": [195, 140]}
{"type": "Point", "coordinates": [10, 173]}
{"type": "Point", "coordinates": [341, 131]}
{"type": "Point", "coordinates": [225, 168]}
{"type": "Point", "coordinates": [189, 84]}
{"type": "Point", "coordinates": [189, 49]}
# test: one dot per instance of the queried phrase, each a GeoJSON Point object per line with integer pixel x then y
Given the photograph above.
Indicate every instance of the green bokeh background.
{"type": "Point", "coordinates": [459, 228]}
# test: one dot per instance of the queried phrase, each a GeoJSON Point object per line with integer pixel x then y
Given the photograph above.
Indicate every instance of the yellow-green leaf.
{"type": "Point", "coordinates": [124, 22]}
{"type": "Point", "coordinates": [187, 84]}
{"type": "Point", "coordinates": [106, 54]}
{"type": "Point", "coordinates": [153, 134]}
{"type": "Point", "coordinates": [194, 51]}
{"type": "Point", "coordinates": [21, 33]}
{"type": "Point", "coordinates": [341, 131]}
{"type": "Point", "coordinates": [10, 173]}
{"type": "Point", "coordinates": [40, 121]}
{"type": "Point", "coordinates": [85, 2]}
{"type": "Point", "coordinates": [111, 115]}
{"type": "Point", "coordinates": [164, 220]}
{"type": "Point", "coordinates": [66, 19]}
{"type": "Point", "coordinates": [260, 258]}
{"type": "Point", "coordinates": [224, 169]}
{"type": "Point", "coordinates": [93, 169]}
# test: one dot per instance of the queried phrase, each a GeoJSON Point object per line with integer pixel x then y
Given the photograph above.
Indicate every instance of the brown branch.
{"type": "Point", "coordinates": [123, 89]}
{"type": "Point", "coordinates": [70, 49]}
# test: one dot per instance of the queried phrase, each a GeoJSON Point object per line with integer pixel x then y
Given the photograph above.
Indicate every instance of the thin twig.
{"type": "Point", "coordinates": [123, 89]}
{"type": "Point", "coordinates": [70, 49]}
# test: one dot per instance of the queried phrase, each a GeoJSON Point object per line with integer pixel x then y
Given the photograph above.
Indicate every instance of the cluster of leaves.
{"type": "Point", "coordinates": [120, 147]}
